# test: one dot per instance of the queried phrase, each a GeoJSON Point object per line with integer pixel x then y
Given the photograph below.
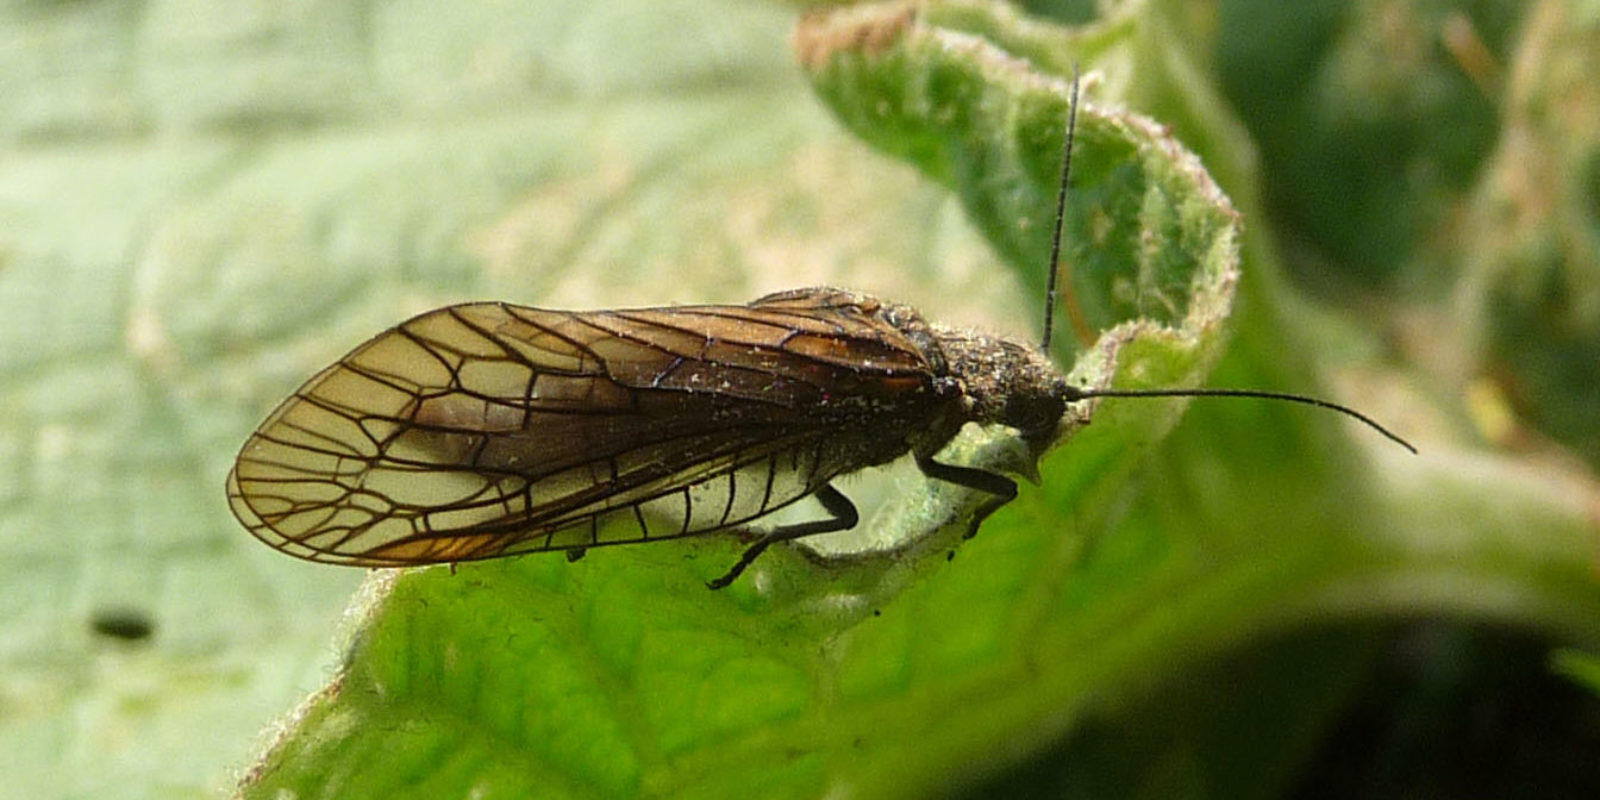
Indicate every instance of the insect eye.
{"type": "Point", "coordinates": [1034, 414]}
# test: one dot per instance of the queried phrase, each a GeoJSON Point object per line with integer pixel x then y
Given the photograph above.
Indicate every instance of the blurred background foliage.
{"type": "Point", "coordinates": [201, 203]}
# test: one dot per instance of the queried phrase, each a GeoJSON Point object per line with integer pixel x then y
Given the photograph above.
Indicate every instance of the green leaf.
{"type": "Point", "coordinates": [204, 208]}
{"type": "Point", "coordinates": [620, 675]}
{"type": "Point", "coordinates": [1583, 668]}
{"type": "Point", "coordinates": [1372, 117]}
{"type": "Point", "coordinates": [1533, 246]}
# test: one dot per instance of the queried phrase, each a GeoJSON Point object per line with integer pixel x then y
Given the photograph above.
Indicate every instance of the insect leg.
{"type": "Point", "coordinates": [844, 518]}
{"type": "Point", "coordinates": [1002, 489]}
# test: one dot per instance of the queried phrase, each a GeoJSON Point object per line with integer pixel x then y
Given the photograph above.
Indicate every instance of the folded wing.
{"type": "Point", "coordinates": [487, 429]}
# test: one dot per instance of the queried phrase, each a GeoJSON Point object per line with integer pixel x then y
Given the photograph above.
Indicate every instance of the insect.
{"type": "Point", "coordinates": [485, 430]}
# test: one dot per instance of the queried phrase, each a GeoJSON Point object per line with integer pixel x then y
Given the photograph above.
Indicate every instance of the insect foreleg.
{"type": "Point", "coordinates": [844, 518]}
{"type": "Point", "coordinates": [1002, 489]}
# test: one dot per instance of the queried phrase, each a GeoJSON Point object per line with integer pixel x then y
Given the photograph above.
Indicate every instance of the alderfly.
{"type": "Point", "coordinates": [485, 430]}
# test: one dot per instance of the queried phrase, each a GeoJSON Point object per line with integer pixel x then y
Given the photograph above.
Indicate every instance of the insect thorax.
{"type": "Point", "coordinates": [1006, 382]}
{"type": "Point", "coordinates": [998, 380]}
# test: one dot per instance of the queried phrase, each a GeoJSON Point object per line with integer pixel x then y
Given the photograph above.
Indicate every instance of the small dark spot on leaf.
{"type": "Point", "coordinates": [123, 623]}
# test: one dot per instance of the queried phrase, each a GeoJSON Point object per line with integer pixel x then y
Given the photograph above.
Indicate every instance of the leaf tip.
{"type": "Point", "coordinates": [820, 35]}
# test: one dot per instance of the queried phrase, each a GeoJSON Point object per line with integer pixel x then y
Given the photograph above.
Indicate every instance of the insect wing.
{"type": "Point", "coordinates": [483, 430]}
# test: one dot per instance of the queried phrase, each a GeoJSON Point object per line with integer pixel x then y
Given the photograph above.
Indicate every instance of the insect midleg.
{"type": "Point", "coordinates": [844, 518]}
{"type": "Point", "coordinates": [1002, 489]}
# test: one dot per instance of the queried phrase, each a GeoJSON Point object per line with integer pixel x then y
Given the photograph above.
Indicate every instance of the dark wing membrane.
{"type": "Point", "coordinates": [487, 429]}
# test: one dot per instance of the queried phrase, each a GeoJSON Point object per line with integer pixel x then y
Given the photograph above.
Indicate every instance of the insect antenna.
{"type": "Point", "coordinates": [1075, 394]}
{"type": "Point", "coordinates": [1061, 212]}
